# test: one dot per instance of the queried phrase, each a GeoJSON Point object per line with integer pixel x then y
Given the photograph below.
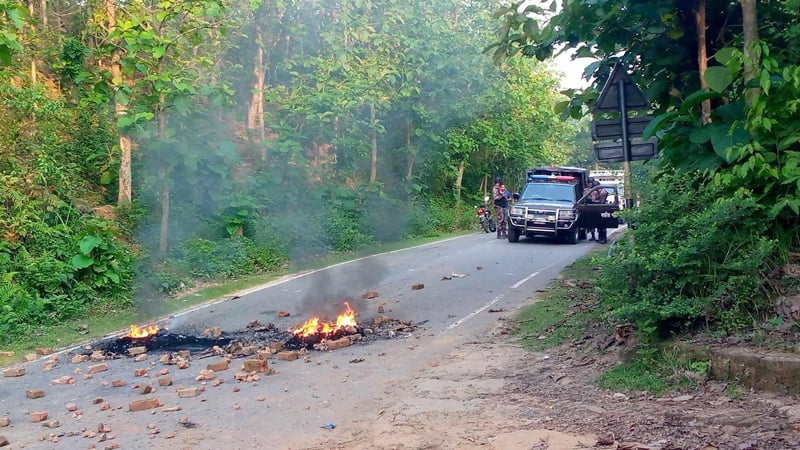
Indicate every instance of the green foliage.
{"type": "Point", "coordinates": [696, 257]}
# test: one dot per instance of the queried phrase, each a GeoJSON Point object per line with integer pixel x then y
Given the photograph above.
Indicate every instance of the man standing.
{"type": "Point", "coordinates": [599, 196]}
{"type": "Point", "coordinates": [500, 203]}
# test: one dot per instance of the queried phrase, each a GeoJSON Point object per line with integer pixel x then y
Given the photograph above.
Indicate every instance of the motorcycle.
{"type": "Point", "coordinates": [485, 217]}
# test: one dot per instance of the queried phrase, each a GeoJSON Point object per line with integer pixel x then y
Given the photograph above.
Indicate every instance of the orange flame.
{"type": "Point", "coordinates": [138, 333]}
{"type": "Point", "coordinates": [345, 320]}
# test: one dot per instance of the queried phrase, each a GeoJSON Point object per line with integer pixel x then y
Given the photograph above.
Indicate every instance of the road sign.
{"type": "Point", "coordinates": [603, 130]}
{"type": "Point", "coordinates": [611, 152]}
{"type": "Point", "coordinates": [608, 101]}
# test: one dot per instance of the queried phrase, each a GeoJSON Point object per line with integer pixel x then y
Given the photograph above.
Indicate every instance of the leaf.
{"type": "Point", "coordinates": [724, 55]}
{"type": "Point", "coordinates": [718, 78]}
{"type": "Point", "coordinates": [695, 98]}
{"type": "Point", "coordinates": [89, 243]}
{"type": "Point", "coordinates": [723, 138]}
{"type": "Point", "coordinates": [699, 135]}
{"type": "Point", "coordinates": [81, 262]}
{"type": "Point", "coordinates": [106, 177]}
{"type": "Point", "coordinates": [158, 52]}
{"type": "Point", "coordinates": [113, 276]}
{"type": "Point", "coordinates": [657, 123]}
{"type": "Point", "coordinates": [182, 105]}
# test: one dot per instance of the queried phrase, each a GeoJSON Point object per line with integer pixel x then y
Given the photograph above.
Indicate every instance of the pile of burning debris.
{"type": "Point", "coordinates": [314, 334]}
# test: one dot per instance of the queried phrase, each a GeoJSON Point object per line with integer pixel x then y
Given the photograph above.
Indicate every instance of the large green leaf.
{"type": "Point", "coordinates": [657, 123]}
{"type": "Point", "coordinates": [81, 262]}
{"type": "Point", "coordinates": [723, 138]}
{"type": "Point", "coordinates": [718, 78]}
{"type": "Point", "coordinates": [89, 243]}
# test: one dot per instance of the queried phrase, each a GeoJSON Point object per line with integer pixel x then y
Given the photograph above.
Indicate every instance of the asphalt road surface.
{"type": "Point", "coordinates": [291, 408]}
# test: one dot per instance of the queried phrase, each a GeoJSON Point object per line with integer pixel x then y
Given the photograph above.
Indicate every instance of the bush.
{"type": "Point", "coordinates": [694, 258]}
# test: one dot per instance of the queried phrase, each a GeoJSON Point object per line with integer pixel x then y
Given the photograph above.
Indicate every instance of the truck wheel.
{"type": "Point", "coordinates": [513, 234]}
{"type": "Point", "coordinates": [572, 237]}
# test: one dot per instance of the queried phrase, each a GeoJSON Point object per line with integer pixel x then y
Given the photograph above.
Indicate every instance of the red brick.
{"type": "Point", "coordinates": [205, 375]}
{"type": "Point", "coordinates": [133, 351]}
{"type": "Point", "coordinates": [71, 407]}
{"type": "Point", "coordinates": [97, 356]}
{"type": "Point", "coordinates": [284, 314]}
{"type": "Point", "coordinates": [165, 381]}
{"type": "Point", "coordinates": [118, 383]}
{"type": "Point", "coordinates": [38, 416]}
{"type": "Point", "coordinates": [417, 286]}
{"type": "Point", "coordinates": [276, 346]}
{"type": "Point", "coordinates": [255, 365]}
{"type": "Point", "coordinates": [64, 380]}
{"type": "Point", "coordinates": [30, 357]}
{"type": "Point", "coordinates": [339, 343]}
{"type": "Point", "coordinates": [146, 389]}
{"type": "Point", "coordinates": [14, 372]}
{"type": "Point", "coordinates": [218, 366]}
{"type": "Point", "coordinates": [44, 351]}
{"type": "Point", "coordinates": [140, 372]}
{"type": "Point", "coordinates": [4, 422]}
{"type": "Point", "coordinates": [182, 364]}
{"type": "Point", "coordinates": [370, 294]}
{"type": "Point", "coordinates": [140, 358]}
{"type": "Point", "coordinates": [34, 393]}
{"type": "Point", "coordinates": [264, 354]}
{"type": "Point", "coordinates": [143, 404]}
{"type": "Point", "coordinates": [288, 356]}
{"type": "Point", "coordinates": [77, 359]}
{"type": "Point", "coordinates": [98, 368]}
{"type": "Point", "coordinates": [4, 354]}
{"type": "Point", "coordinates": [3, 441]}
{"type": "Point", "coordinates": [248, 350]}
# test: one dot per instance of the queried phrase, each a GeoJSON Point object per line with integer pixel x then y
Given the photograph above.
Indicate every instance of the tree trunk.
{"type": "Point", "coordinates": [255, 113]}
{"type": "Point", "coordinates": [163, 236]}
{"type": "Point", "coordinates": [412, 151]}
{"type": "Point", "coordinates": [459, 178]}
{"type": "Point", "coordinates": [43, 13]}
{"type": "Point", "coordinates": [702, 56]}
{"type": "Point", "coordinates": [124, 195]}
{"type": "Point", "coordinates": [750, 33]}
{"type": "Point", "coordinates": [373, 174]}
{"type": "Point", "coordinates": [31, 11]}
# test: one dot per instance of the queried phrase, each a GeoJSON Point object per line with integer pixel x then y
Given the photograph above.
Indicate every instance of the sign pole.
{"type": "Point", "coordinates": [626, 143]}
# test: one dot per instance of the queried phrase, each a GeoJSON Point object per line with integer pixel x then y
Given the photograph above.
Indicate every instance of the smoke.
{"type": "Point", "coordinates": [332, 287]}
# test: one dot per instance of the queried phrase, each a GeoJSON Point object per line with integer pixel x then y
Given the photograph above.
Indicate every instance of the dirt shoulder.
{"type": "Point", "coordinates": [494, 394]}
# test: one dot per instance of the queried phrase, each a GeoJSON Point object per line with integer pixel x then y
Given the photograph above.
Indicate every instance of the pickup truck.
{"type": "Point", "coordinates": [554, 203]}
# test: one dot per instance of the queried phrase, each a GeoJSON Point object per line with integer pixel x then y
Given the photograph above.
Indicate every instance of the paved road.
{"type": "Point", "coordinates": [287, 410]}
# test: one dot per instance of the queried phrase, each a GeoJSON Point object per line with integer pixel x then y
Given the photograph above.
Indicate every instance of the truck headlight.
{"type": "Point", "coordinates": [567, 214]}
{"type": "Point", "coordinates": [518, 211]}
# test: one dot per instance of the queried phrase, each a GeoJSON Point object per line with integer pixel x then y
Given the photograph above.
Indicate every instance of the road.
{"type": "Point", "coordinates": [347, 387]}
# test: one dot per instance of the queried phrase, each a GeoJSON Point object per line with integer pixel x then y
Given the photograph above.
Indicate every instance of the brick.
{"type": "Point", "coordinates": [98, 368]}
{"type": "Point", "coordinates": [182, 364]}
{"type": "Point", "coordinates": [51, 424]}
{"type": "Point", "coordinates": [4, 422]}
{"type": "Point", "coordinates": [71, 407]}
{"type": "Point", "coordinates": [248, 350]}
{"type": "Point", "coordinates": [38, 416]}
{"type": "Point", "coordinates": [165, 381]}
{"type": "Point", "coordinates": [205, 375]}
{"type": "Point", "coordinates": [380, 309]}
{"type": "Point", "coordinates": [218, 366]}
{"type": "Point", "coordinates": [133, 351]}
{"type": "Point", "coordinates": [14, 372]}
{"type": "Point", "coordinates": [417, 286]}
{"type": "Point", "coordinates": [143, 404]}
{"type": "Point", "coordinates": [339, 343]}
{"type": "Point", "coordinates": [164, 371]}
{"type": "Point", "coordinates": [49, 365]}
{"type": "Point", "coordinates": [34, 393]}
{"type": "Point", "coordinates": [3, 441]}
{"type": "Point", "coordinates": [185, 354]}
{"type": "Point", "coordinates": [97, 356]}
{"type": "Point", "coordinates": [118, 383]}
{"type": "Point", "coordinates": [264, 355]}
{"type": "Point", "coordinates": [370, 294]}
{"type": "Point", "coordinates": [284, 314]}
{"type": "Point", "coordinates": [140, 358]}
{"type": "Point", "coordinates": [189, 392]}
{"type": "Point", "coordinates": [97, 400]}
{"type": "Point", "coordinates": [146, 389]}
{"type": "Point", "coordinates": [255, 365]}
{"type": "Point", "coordinates": [44, 351]}
{"type": "Point", "coordinates": [276, 347]}
{"type": "Point", "coordinates": [140, 372]}
{"type": "Point", "coordinates": [4, 354]}
{"type": "Point", "coordinates": [288, 356]}
{"type": "Point", "coordinates": [30, 357]}
{"type": "Point", "coordinates": [240, 376]}
{"type": "Point", "coordinates": [77, 359]}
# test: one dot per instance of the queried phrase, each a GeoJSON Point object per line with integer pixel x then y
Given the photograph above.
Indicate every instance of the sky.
{"type": "Point", "coordinates": [570, 70]}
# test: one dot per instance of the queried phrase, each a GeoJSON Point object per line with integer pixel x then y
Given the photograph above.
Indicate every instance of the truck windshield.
{"type": "Point", "coordinates": [556, 192]}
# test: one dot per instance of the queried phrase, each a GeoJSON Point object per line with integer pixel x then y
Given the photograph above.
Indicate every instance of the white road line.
{"type": "Point", "coordinates": [493, 301]}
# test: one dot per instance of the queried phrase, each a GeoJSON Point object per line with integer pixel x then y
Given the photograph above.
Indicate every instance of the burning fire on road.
{"type": "Point", "coordinates": [143, 332]}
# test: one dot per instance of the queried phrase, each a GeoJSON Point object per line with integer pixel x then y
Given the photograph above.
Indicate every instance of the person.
{"type": "Point", "coordinates": [590, 200]}
{"type": "Point", "coordinates": [507, 195]}
{"type": "Point", "coordinates": [599, 196]}
{"type": "Point", "coordinates": [500, 203]}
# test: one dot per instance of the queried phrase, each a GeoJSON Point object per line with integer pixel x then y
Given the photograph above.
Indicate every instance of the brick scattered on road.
{"type": "Point", "coordinates": [218, 366]}
{"type": "Point", "coordinates": [4, 422]}
{"type": "Point", "coordinates": [289, 355]}
{"type": "Point", "coordinates": [71, 407]}
{"type": "Point", "coordinates": [165, 381]}
{"type": "Point", "coordinates": [38, 416]}
{"type": "Point", "coordinates": [118, 383]}
{"type": "Point", "coordinates": [14, 372]}
{"type": "Point", "coordinates": [44, 351]}
{"type": "Point", "coordinates": [417, 286]}
{"type": "Point", "coordinates": [34, 393]}
{"type": "Point", "coordinates": [255, 365]}
{"type": "Point", "coordinates": [144, 404]}
{"type": "Point", "coordinates": [133, 351]}
{"type": "Point", "coordinates": [189, 392]}
{"type": "Point", "coordinates": [370, 294]}
{"type": "Point", "coordinates": [4, 442]}
{"type": "Point", "coordinates": [98, 368]}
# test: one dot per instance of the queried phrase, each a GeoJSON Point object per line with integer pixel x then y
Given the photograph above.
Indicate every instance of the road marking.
{"type": "Point", "coordinates": [494, 300]}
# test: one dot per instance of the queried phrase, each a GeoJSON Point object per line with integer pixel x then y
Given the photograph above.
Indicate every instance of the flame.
{"type": "Point", "coordinates": [143, 332]}
{"type": "Point", "coordinates": [313, 326]}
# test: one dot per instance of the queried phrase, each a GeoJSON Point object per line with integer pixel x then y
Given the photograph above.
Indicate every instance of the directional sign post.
{"type": "Point", "coordinates": [620, 94]}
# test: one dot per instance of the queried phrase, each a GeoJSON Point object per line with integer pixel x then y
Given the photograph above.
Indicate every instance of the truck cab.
{"type": "Point", "coordinates": [555, 203]}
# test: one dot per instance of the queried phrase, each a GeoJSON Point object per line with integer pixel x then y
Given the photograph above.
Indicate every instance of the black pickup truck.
{"type": "Point", "coordinates": [553, 203]}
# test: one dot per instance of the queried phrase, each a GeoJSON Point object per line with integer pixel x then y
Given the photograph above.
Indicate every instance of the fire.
{"type": "Point", "coordinates": [143, 332]}
{"type": "Point", "coordinates": [346, 320]}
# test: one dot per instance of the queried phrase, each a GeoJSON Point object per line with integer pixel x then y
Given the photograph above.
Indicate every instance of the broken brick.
{"type": "Point", "coordinates": [205, 375]}
{"type": "Point", "coordinates": [118, 383]}
{"type": "Point", "coordinates": [43, 351]}
{"type": "Point", "coordinates": [98, 368]}
{"type": "Point", "coordinates": [49, 365]}
{"type": "Point", "coordinates": [417, 286]}
{"type": "Point", "coordinates": [140, 372]}
{"type": "Point", "coordinates": [165, 381]}
{"type": "Point", "coordinates": [143, 404]}
{"type": "Point", "coordinates": [218, 366]}
{"type": "Point", "coordinates": [4, 422]}
{"type": "Point", "coordinates": [77, 359]}
{"type": "Point", "coordinates": [241, 376]}
{"type": "Point", "coordinates": [146, 389]}
{"type": "Point", "coordinates": [3, 441]}
{"type": "Point", "coordinates": [380, 309]}
{"type": "Point", "coordinates": [247, 350]}
{"type": "Point", "coordinates": [7, 353]}
{"type": "Point", "coordinates": [34, 393]}
{"type": "Point", "coordinates": [255, 365]}
{"type": "Point", "coordinates": [284, 314]}
{"type": "Point", "coordinates": [140, 358]}
{"type": "Point", "coordinates": [64, 380]}
{"type": "Point", "coordinates": [339, 343]}
{"type": "Point", "coordinates": [276, 346]}
{"type": "Point", "coordinates": [133, 351]}
{"type": "Point", "coordinates": [97, 356]}
{"type": "Point", "coordinates": [189, 392]}
{"type": "Point", "coordinates": [30, 357]}
{"type": "Point", "coordinates": [288, 356]}
{"type": "Point", "coordinates": [71, 407]}
{"type": "Point", "coordinates": [14, 372]}
{"type": "Point", "coordinates": [370, 294]}
{"type": "Point", "coordinates": [185, 354]}
{"type": "Point", "coordinates": [182, 364]}
{"type": "Point", "coordinates": [38, 416]}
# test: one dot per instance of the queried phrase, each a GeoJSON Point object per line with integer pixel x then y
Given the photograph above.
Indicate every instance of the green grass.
{"type": "Point", "coordinates": [641, 374]}
{"type": "Point", "coordinates": [563, 312]}
{"type": "Point", "coordinates": [110, 321]}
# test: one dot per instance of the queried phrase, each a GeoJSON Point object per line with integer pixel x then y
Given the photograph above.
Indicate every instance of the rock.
{"type": "Point", "coordinates": [14, 372]}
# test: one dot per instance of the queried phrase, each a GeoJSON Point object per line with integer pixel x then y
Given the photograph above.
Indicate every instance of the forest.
{"type": "Point", "coordinates": [146, 146]}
